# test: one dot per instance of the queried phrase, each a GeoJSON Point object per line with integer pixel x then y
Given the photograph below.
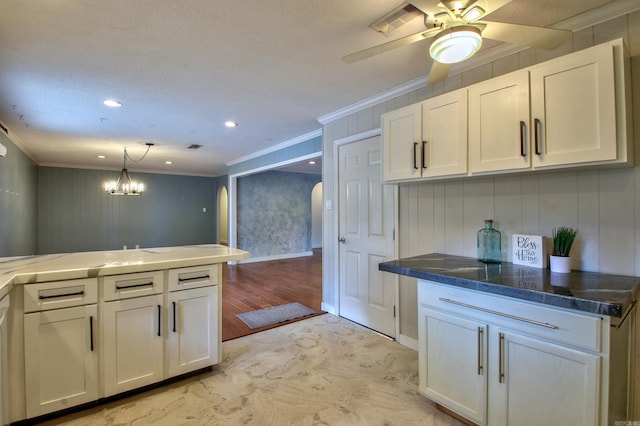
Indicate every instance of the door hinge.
{"type": "Point", "coordinates": [394, 235]}
{"type": "Point", "coordinates": [394, 311]}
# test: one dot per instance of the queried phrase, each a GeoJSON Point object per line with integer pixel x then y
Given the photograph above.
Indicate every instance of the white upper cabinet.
{"type": "Point", "coordinates": [573, 108]}
{"type": "Point", "coordinates": [444, 135]}
{"type": "Point", "coordinates": [401, 139]}
{"type": "Point", "coordinates": [499, 123]}
{"type": "Point", "coordinates": [570, 111]}
{"type": "Point", "coordinates": [427, 139]}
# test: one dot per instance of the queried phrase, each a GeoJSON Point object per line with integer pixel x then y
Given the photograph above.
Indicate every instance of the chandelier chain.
{"type": "Point", "coordinates": [126, 154]}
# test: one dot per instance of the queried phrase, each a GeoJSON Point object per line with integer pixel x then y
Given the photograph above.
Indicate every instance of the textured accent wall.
{"type": "Point", "coordinates": [75, 214]}
{"type": "Point", "coordinates": [274, 213]}
{"type": "Point", "coordinates": [18, 201]}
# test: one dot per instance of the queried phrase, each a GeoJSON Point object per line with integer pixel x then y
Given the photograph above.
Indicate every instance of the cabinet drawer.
{"type": "Point", "coordinates": [60, 294]}
{"type": "Point", "coordinates": [555, 324]}
{"type": "Point", "coordinates": [126, 286]}
{"type": "Point", "coordinates": [193, 277]}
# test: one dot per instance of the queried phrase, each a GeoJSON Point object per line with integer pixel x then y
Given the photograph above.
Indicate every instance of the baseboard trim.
{"type": "Point", "coordinates": [276, 257]}
{"type": "Point", "coordinates": [329, 308]}
{"type": "Point", "coordinates": [409, 342]}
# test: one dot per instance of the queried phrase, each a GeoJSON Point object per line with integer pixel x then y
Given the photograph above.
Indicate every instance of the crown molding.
{"type": "Point", "coordinates": [593, 17]}
{"type": "Point", "coordinates": [285, 144]}
{"type": "Point", "coordinates": [597, 16]}
{"type": "Point", "coordinates": [17, 142]}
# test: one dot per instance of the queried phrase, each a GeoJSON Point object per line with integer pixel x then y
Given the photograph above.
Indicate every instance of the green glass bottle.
{"type": "Point", "coordinates": [489, 243]}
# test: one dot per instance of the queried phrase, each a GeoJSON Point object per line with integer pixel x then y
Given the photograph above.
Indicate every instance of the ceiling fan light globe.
{"type": "Point", "coordinates": [455, 44]}
{"type": "Point", "coordinates": [473, 13]}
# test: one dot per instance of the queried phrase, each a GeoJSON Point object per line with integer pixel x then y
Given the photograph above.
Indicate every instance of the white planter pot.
{"type": "Point", "coordinates": [560, 264]}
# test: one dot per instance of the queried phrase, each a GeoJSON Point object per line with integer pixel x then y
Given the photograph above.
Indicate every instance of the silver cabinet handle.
{"type": "Point", "coordinates": [501, 359]}
{"type": "Point", "coordinates": [480, 350]}
{"type": "Point", "coordinates": [502, 314]}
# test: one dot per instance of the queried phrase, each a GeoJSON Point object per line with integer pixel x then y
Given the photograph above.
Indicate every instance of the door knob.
{"type": "Point", "coordinates": [342, 240]}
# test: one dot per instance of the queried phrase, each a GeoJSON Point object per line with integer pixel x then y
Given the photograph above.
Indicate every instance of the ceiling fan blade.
{"type": "Point", "coordinates": [484, 7]}
{"type": "Point", "coordinates": [385, 47]}
{"type": "Point", "coordinates": [426, 6]}
{"type": "Point", "coordinates": [543, 38]}
{"type": "Point", "coordinates": [491, 5]}
{"type": "Point", "coordinates": [439, 72]}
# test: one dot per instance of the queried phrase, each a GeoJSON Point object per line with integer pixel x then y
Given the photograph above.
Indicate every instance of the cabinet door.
{"type": "Point", "coordinates": [61, 360]}
{"type": "Point", "coordinates": [540, 383]}
{"type": "Point", "coordinates": [401, 143]}
{"type": "Point", "coordinates": [192, 340]}
{"type": "Point", "coordinates": [452, 363]}
{"type": "Point", "coordinates": [444, 132]}
{"type": "Point", "coordinates": [499, 123]}
{"type": "Point", "coordinates": [573, 104]}
{"type": "Point", "coordinates": [133, 343]}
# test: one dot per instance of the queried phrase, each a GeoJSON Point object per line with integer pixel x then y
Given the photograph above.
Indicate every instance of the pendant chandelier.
{"type": "Point", "coordinates": [125, 185]}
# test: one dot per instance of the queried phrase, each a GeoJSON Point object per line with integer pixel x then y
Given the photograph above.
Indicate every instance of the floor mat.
{"type": "Point", "coordinates": [274, 315]}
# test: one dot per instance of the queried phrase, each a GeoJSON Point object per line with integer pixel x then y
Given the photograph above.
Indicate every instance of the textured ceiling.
{"type": "Point", "coordinates": [181, 68]}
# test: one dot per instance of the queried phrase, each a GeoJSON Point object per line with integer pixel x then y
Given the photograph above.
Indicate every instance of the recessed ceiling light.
{"type": "Point", "coordinates": [168, 162]}
{"type": "Point", "coordinates": [102, 156]}
{"type": "Point", "coordinates": [312, 162]}
{"type": "Point", "coordinates": [112, 103]}
{"type": "Point", "coordinates": [230, 123]}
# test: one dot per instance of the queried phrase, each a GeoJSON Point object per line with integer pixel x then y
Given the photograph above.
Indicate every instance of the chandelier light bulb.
{"type": "Point", "coordinates": [125, 185]}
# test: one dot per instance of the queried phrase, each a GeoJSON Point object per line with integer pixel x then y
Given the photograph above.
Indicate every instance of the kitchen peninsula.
{"type": "Point", "coordinates": [502, 343]}
{"type": "Point", "coordinates": [84, 326]}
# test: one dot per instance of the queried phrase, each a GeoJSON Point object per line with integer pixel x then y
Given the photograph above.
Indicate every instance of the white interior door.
{"type": "Point", "coordinates": [366, 229]}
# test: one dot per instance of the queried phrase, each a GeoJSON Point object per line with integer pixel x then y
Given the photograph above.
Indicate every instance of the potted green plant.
{"type": "Point", "coordinates": [563, 238]}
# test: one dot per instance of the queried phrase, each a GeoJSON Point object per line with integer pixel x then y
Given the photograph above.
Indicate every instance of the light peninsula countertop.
{"type": "Point", "coordinates": [66, 266]}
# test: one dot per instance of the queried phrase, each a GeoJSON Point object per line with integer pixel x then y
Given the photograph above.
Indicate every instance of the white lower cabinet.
{"type": "Point", "coordinates": [132, 349]}
{"type": "Point", "coordinates": [503, 361]}
{"type": "Point", "coordinates": [193, 305]}
{"type": "Point", "coordinates": [61, 357]}
{"type": "Point", "coordinates": [192, 336]}
{"type": "Point", "coordinates": [86, 339]}
{"type": "Point", "coordinates": [537, 382]}
{"type": "Point", "coordinates": [452, 367]}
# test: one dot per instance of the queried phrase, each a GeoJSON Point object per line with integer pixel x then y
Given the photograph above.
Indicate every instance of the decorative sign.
{"type": "Point", "coordinates": [529, 250]}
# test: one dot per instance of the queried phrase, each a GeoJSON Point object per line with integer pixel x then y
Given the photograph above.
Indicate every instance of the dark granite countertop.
{"type": "Point", "coordinates": [605, 294]}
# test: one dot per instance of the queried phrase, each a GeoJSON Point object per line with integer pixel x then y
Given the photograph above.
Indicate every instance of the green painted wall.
{"type": "Point", "coordinates": [75, 214]}
{"type": "Point", "coordinates": [18, 201]}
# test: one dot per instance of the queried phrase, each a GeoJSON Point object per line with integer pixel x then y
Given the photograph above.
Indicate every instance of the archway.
{"type": "Point", "coordinates": [223, 216]}
{"type": "Point", "coordinates": [316, 216]}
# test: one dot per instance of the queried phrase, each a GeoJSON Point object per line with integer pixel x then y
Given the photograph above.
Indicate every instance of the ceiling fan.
{"type": "Point", "coordinates": [456, 30]}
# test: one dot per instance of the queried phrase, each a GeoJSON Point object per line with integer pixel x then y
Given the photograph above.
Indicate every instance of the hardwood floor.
{"type": "Point", "coordinates": [251, 286]}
